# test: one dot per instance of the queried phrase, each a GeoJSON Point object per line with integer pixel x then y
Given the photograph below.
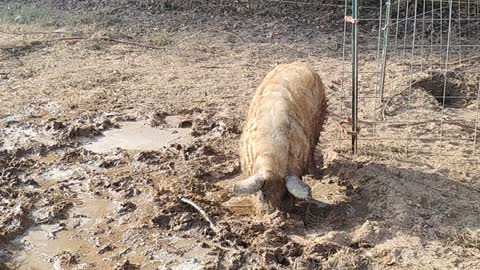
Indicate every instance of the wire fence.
{"type": "Point", "coordinates": [416, 71]}
{"type": "Point", "coordinates": [418, 78]}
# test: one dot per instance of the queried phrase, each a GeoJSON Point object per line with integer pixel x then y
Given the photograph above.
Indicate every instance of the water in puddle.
{"type": "Point", "coordinates": [40, 243]}
{"type": "Point", "coordinates": [139, 136]}
{"type": "Point", "coordinates": [37, 248]}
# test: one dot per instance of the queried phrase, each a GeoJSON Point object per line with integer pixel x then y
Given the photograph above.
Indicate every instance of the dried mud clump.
{"type": "Point", "coordinates": [15, 202]}
{"type": "Point", "coordinates": [65, 260]}
{"type": "Point", "coordinates": [206, 124]}
{"type": "Point", "coordinates": [157, 119]}
{"type": "Point", "coordinates": [51, 208]}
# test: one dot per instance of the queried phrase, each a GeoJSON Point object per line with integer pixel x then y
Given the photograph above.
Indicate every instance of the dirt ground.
{"type": "Point", "coordinates": [113, 114]}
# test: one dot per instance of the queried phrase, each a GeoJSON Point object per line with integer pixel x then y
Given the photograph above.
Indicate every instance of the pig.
{"type": "Point", "coordinates": [280, 135]}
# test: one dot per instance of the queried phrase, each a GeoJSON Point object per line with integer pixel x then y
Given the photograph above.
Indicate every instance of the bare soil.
{"type": "Point", "coordinates": [105, 74]}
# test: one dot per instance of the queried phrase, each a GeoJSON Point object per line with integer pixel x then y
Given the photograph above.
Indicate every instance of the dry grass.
{"type": "Point", "coordinates": [45, 16]}
{"type": "Point", "coordinates": [159, 38]}
{"type": "Point", "coordinates": [467, 238]}
{"type": "Point", "coordinates": [346, 259]}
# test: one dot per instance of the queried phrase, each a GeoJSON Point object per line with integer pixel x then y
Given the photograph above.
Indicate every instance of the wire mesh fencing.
{"type": "Point", "coordinates": [417, 70]}
{"type": "Point", "coordinates": [418, 79]}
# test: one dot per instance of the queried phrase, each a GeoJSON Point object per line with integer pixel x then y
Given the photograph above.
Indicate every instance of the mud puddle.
{"type": "Point", "coordinates": [96, 234]}
{"type": "Point", "coordinates": [40, 246]}
{"type": "Point", "coordinates": [139, 136]}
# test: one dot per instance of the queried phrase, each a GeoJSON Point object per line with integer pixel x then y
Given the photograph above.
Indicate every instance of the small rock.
{"type": "Point", "coordinates": [126, 265]}
{"type": "Point", "coordinates": [31, 182]}
{"type": "Point", "coordinates": [144, 155]}
{"type": "Point", "coordinates": [105, 248]}
{"type": "Point", "coordinates": [55, 125]}
{"type": "Point", "coordinates": [219, 128]}
{"type": "Point", "coordinates": [126, 207]}
{"type": "Point", "coordinates": [64, 258]}
{"type": "Point", "coordinates": [132, 193]}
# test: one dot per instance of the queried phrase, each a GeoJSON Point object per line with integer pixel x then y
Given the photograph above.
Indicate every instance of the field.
{"type": "Point", "coordinates": [114, 112]}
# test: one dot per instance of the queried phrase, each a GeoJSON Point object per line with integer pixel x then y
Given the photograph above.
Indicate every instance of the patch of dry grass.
{"type": "Point", "coordinates": [466, 238]}
{"type": "Point", "coordinates": [44, 15]}
{"type": "Point", "coordinates": [346, 259]}
{"type": "Point", "coordinates": [159, 38]}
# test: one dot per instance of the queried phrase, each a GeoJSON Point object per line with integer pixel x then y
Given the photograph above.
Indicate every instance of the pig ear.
{"type": "Point", "coordinates": [298, 188]}
{"type": "Point", "coordinates": [250, 185]}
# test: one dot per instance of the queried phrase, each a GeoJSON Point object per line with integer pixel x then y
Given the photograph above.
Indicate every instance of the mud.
{"type": "Point", "coordinates": [139, 136]}
{"type": "Point", "coordinates": [100, 141]}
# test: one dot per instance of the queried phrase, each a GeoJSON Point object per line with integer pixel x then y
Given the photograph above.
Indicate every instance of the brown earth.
{"type": "Point", "coordinates": [74, 71]}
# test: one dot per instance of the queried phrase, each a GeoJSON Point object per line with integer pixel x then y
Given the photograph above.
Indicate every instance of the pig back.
{"type": "Point", "coordinates": [284, 121]}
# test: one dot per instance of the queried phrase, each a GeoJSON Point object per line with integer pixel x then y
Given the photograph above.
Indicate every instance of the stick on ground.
{"type": "Point", "coordinates": [202, 212]}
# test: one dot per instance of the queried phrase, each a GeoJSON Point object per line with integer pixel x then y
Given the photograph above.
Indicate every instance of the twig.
{"type": "Point", "coordinates": [359, 121]}
{"type": "Point", "coordinates": [99, 38]}
{"type": "Point", "coordinates": [228, 33]}
{"type": "Point", "coordinates": [133, 43]}
{"type": "Point", "coordinates": [202, 212]}
{"type": "Point", "coordinates": [455, 123]}
{"type": "Point", "coordinates": [212, 67]}
{"type": "Point", "coordinates": [414, 162]}
{"type": "Point", "coordinates": [399, 125]}
{"type": "Point", "coordinates": [454, 63]}
{"type": "Point", "coordinates": [385, 105]}
{"type": "Point", "coordinates": [60, 39]}
{"type": "Point", "coordinates": [32, 33]}
{"type": "Point", "coordinates": [112, 40]}
{"type": "Point", "coordinates": [460, 62]}
{"type": "Point", "coordinates": [186, 38]}
{"type": "Point", "coordinates": [38, 42]}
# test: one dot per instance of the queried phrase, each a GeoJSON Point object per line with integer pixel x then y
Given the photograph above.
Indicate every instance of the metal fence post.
{"type": "Point", "coordinates": [386, 29]}
{"type": "Point", "coordinates": [354, 75]}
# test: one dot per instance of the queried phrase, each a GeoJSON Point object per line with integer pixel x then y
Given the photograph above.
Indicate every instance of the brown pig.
{"type": "Point", "coordinates": [280, 134]}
